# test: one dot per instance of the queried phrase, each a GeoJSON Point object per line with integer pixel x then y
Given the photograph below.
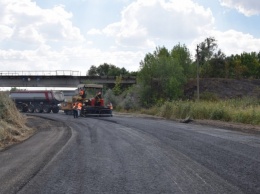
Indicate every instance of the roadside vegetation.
{"type": "Point", "coordinates": [164, 73]}
{"type": "Point", "coordinates": [243, 110]}
{"type": "Point", "coordinates": [12, 123]}
{"type": "Point", "coordinates": [246, 111]}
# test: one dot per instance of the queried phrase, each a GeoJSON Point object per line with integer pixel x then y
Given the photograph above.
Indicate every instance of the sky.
{"type": "Point", "coordinates": [50, 35]}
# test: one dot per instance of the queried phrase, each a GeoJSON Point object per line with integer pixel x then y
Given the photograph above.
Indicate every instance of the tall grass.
{"type": "Point", "coordinates": [12, 123]}
{"type": "Point", "coordinates": [245, 110]}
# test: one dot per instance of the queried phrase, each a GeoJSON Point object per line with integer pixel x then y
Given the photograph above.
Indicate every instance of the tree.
{"type": "Point", "coordinates": [107, 70]}
{"type": "Point", "coordinates": [92, 71]}
{"type": "Point", "coordinates": [114, 71]}
{"type": "Point", "coordinates": [161, 76]}
{"type": "Point", "coordinates": [206, 49]}
{"type": "Point", "coordinates": [212, 62]}
{"type": "Point", "coordinates": [13, 89]}
{"type": "Point", "coordinates": [245, 65]}
{"type": "Point", "coordinates": [117, 89]}
{"type": "Point", "coordinates": [103, 69]}
{"type": "Point", "coordinates": [182, 55]}
{"type": "Point", "coordinates": [217, 65]}
{"type": "Point", "coordinates": [251, 62]}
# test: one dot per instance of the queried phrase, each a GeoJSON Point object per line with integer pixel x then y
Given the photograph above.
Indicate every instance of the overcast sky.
{"type": "Point", "coordinates": [75, 34]}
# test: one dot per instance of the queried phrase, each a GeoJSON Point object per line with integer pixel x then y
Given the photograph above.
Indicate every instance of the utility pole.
{"type": "Point", "coordinates": [198, 79]}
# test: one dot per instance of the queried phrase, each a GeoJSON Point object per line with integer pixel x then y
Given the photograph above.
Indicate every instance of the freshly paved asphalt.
{"type": "Point", "coordinates": [126, 154]}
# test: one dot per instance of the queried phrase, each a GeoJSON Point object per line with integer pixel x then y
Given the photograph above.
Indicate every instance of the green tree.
{"type": "Point", "coordinates": [92, 71]}
{"type": "Point", "coordinates": [13, 89]}
{"type": "Point", "coordinates": [107, 70]}
{"type": "Point", "coordinates": [182, 56]}
{"type": "Point", "coordinates": [117, 88]}
{"type": "Point", "coordinates": [206, 50]}
{"type": "Point", "coordinates": [161, 76]}
{"type": "Point", "coordinates": [114, 71]}
{"type": "Point", "coordinates": [103, 69]}
{"type": "Point", "coordinates": [217, 65]}
{"type": "Point", "coordinates": [251, 62]}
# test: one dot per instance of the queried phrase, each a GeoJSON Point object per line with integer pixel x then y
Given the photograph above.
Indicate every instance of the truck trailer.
{"type": "Point", "coordinates": [37, 100]}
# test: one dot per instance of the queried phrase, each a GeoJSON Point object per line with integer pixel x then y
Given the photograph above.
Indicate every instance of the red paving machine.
{"type": "Point", "coordinates": [90, 95]}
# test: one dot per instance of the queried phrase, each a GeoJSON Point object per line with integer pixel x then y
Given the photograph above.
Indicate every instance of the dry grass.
{"type": "Point", "coordinates": [246, 111]}
{"type": "Point", "coordinates": [12, 123]}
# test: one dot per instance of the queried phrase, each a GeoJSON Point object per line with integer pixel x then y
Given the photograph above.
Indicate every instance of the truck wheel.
{"type": "Point", "coordinates": [30, 108]}
{"type": "Point", "coordinates": [55, 109]}
{"type": "Point", "coordinates": [19, 107]}
{"type": "Point", "coordinates": [46, 109]}
{"type": "Point", "coordinates": [25, 108]}
{"type": "Point", "coordinates": [38, 108]}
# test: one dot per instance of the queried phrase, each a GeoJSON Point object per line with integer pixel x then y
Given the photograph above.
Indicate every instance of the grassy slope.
{"type": "Point", "coordinates": [12, 123]}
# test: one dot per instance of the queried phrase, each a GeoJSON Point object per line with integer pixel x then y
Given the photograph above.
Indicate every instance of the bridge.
{"type": "Point", "coordinates": [59, 78]}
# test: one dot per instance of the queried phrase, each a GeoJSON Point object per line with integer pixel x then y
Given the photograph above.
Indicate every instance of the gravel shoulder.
{"type": "Point", "coordinates": [34, 124]}
{"type": "Point", "coordinates": [246, 128]}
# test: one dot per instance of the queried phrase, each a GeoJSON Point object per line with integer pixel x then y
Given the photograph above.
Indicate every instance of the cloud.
{"type": "Point", "coordinates": [78, 55]}
{"type": "Point", "coordinates": [144, 23]}
{"type": "Point", "coordinates": [234, 42]}
{"type": "Point", "coordinates": [246, 7]}
{"type": "Point", "coordinates": [26, 23]}
{"type": "Point", "coordinates": [33, 38]}
{"type": "Point", "coordinates": [230, 42]}
{"type": "Point", "coordinates": [94, 31]}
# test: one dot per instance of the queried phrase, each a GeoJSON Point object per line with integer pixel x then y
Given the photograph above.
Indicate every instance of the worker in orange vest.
{"type": "Point", "coordinates": [98, 99]}
{"type": "Point", "coordinates": [110, 105]}
{"type": "Point", "coordinates": [75, 110]}
{"type": "Point", "coordinates": [82, 93]}
{"type": "Point", "coordinates": [79, 108]}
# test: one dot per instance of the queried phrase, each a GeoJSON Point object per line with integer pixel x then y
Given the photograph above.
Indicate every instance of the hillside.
{"type": "Point", "coordinates": [224, 88]}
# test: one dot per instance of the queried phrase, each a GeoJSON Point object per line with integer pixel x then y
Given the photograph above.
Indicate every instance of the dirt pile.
{"type": "Point", "coordinates": [12, 123]}
{"type": "Point", "coordinates": [224, 88]}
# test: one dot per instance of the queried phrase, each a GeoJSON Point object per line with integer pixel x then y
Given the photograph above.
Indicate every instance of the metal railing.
{"type": "Point", "coordinates": [41, 73]}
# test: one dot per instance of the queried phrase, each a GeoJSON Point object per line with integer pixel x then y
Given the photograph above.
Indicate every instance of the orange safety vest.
{"type": "Point", "coordinates": [75, 105]}
{"type": "Point", "coordinates": [79, 105]}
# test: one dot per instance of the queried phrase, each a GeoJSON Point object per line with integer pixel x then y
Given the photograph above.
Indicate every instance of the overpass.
{"type": "Point", "coordinates": [59, 78]}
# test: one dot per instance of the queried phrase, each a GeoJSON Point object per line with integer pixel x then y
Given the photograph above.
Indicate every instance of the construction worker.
{"type": "Point", "coordinates": [75, 110]}
{"type": "Point", "coordinates": [79, 108]}
{"type": "Point", "coordinates": [98, 98]}
{"type": "Point", "coordinates": [82, 93]}
{"type": "Point", "coordinates": [110, 105]}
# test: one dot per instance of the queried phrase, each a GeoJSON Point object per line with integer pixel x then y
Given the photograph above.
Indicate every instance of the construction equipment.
{"type": "Point", "coordinates": [37, 100]}
{"type": "Point", "coordinates": [90, 95]}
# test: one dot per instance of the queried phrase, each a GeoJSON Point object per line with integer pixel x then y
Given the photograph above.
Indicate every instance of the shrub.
{"type": "Point", "coordinates": [110, 97]}
{"type": "Point", "coordinates": [208, 96]}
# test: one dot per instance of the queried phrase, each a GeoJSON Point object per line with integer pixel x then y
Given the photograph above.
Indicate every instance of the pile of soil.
{"type": "Point", "coordinates": [224, 88]}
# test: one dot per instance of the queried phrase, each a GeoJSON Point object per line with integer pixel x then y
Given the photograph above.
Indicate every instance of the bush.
{"type": "Point", "coordinates": [208, 96]}
{"type": "Point", "coordinates": [110, 97]}
{"type": "Point", "coordinates": [166, 110]}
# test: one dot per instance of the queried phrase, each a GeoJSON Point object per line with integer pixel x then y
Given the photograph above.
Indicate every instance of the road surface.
{"type": "Point", "coordinates": [126, 154]}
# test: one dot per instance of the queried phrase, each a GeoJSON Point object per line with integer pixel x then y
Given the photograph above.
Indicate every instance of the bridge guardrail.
{"type": "Point", "coordinates": [41, 73]}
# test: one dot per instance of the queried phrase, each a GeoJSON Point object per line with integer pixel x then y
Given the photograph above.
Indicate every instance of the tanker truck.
{"type": "Point", "coordinates": [37, 101]}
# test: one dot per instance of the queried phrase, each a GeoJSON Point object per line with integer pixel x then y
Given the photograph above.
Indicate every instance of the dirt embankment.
{"type": "Point", "coordinates": [224, 88]}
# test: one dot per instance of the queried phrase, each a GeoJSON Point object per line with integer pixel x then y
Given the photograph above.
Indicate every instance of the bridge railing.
{"type": "Point", "coordinates": [41, 73]}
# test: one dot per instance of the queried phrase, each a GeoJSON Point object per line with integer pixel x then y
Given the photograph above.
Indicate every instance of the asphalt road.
{"type": "Point", "coordinates": [125, 154]}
